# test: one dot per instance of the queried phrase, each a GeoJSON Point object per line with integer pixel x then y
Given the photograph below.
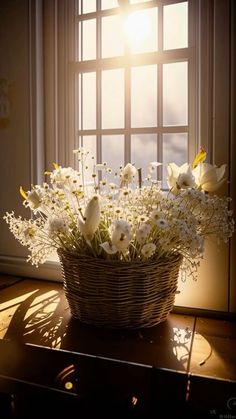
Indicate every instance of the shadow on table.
{"type": "Point", "coordinates": [36, 316]}
{"type": "Point", "coordinates": [42, 317]}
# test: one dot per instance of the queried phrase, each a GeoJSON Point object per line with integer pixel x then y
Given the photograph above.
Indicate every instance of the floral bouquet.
{"type": "Point", "coordinates": [126, 222]}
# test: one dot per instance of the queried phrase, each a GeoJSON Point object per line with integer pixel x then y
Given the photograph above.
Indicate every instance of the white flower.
{"type": "Point", "coordinates": [142, 218]}
{"type": "Point", "coordinates": [113, 186]}
{"type": "Point", "coordinates": [155, 215]}
{"type": "Point", "coordinates": [90, 222]}
{"type": "Point", "coordinates": [118, 212]}
{"type": "Point", "coordinates": [56, 225]}
{"type": "Point", "coordinates": [62, 176]}
{"type": "Point", "coordinates": [126, 192]}
{"type": "Point", "coordinates": [180, 177]}
{"type": "Point", "coordinates": [209, 177]}
{"type": "Point", "coordinates": [120, 234]}
{"type": "Point", "coordinates": [148, 250]}
{"type": "Point", "coordinates": [34, 199]}
{"type": "Point", "coordinates": [143, 232]}
{"type": "Point", "coordinates": [162, 223]}
{"type": "Point", "coordinates": [29, 233]}
{"type": "Point", "coordinates": [128, 174]}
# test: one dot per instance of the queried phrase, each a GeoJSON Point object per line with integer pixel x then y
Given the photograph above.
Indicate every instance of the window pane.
{"type": "Point", "coordinates": [113, 98]}
{"type": "Point", "coordinates": [176, 26]}
{"type": "Point", "coordinates": [89, 143]}
{"type": "Point", "coordinates": [88, 6]}
{"type": "Point", "coordinates": [89, 39]}
{"type": "Point", "coordinates": [112, 36]}
{"type": "Point", "coordinates": [175, 94]}
{"type": "Point", "coordinates": [144, 96]}
{"type": "Point", "coordinates": [88, 96]}
{"type": "Point", "coordinates": [175, 149]}
{"type": "Point", "coordinates": [138, 1]}
{"type": "Point", "coordinates": [113, 152]}
{"type": "Point", "coordinates": [140, 28]}
{"type": "Point", "coordinates": [143, 151]}
{"type": "Point", "coordinates": [109, 4]}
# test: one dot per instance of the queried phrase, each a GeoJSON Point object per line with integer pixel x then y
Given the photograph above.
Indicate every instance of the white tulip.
{"type": "Point", "coordinates": [180, 177]}
{"type": "Point", "coordinates": [34, 199]}
{"type": "Point", "coordinates": [90, 222]}
{"type": "Point", "coordinates": [209, 177]}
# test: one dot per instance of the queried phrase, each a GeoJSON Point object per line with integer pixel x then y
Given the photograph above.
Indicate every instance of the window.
{"type": "Point", "coordinates": [134, 77]}
{"type": "Point", "coordinates": [185, 41]}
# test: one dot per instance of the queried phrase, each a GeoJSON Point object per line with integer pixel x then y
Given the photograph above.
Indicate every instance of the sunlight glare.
{"type": "Point", "coordinates": [136, 27]}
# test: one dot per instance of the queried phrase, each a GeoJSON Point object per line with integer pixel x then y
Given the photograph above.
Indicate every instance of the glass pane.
{"type": "Point", "coordinates": [143, 151]}
{"type": "Point", "coordinates": [113, 98]}
{"type": "Point", "coordinates": [88, 6]}
{"type": "Point", "coordinates": [88, 81]}
{"type": "Point", "coordinates": [176, 26]}
{"type": "Point", "coordinates": [138, 1]}
{"type": "Point", "coordinates": [89, 39]}
{"type": "Point", "coordinates": [175, 149]}
{"type": "Point", "coordinates": [140, 28]}
{"type": "Point", "coordinates": [144, 96]}
{"type": "Point", "coordinates": [112, 36]}
{"type": "Point", "coordinates": [89, 143]}
{"type": "Point", "coordinates": [113, 152]}
{"type": "Point", "coordinates": [175, 94]}
{"type": "Point", "coordinates": [109, 4]}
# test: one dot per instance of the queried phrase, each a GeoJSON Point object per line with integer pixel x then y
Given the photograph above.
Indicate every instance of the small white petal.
{"type": "Point", "coordinates": [109, 248]}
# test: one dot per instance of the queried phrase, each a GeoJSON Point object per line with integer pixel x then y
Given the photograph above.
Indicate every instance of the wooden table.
{"type": "Point", "coordinates": [185, 364]}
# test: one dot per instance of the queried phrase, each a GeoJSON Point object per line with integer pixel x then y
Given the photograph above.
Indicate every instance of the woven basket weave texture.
{"type": "Point", "coordinates": [117, 294]}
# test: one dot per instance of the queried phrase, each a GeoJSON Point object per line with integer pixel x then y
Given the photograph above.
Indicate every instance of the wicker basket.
{"type": "Point", "coordinates": [119, 294]}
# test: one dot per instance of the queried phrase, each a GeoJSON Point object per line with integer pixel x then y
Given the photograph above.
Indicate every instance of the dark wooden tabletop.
{"type": "Point", "coordinates": [36, 312]}
{"type": "Point", "coordinates": [186, 364]}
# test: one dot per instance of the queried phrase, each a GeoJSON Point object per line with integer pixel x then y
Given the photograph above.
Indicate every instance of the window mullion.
{"type": "Point", "coordinates": [81, 79]}
{"type": "Point", "coordinates": [127, 148]}
{"type": "Point", "coordinates": [193, 116]}
{"type": "Point", "coordinates": [99, 86]}
{"type": "Point", "coordinates": [160, 92]}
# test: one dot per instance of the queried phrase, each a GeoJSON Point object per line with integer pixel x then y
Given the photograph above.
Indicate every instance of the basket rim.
{"type": "Point", "coordinates": [174, 256]}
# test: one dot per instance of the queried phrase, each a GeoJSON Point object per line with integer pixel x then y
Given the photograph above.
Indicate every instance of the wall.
{"type": "Point", "coordinates": [15, 131]}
